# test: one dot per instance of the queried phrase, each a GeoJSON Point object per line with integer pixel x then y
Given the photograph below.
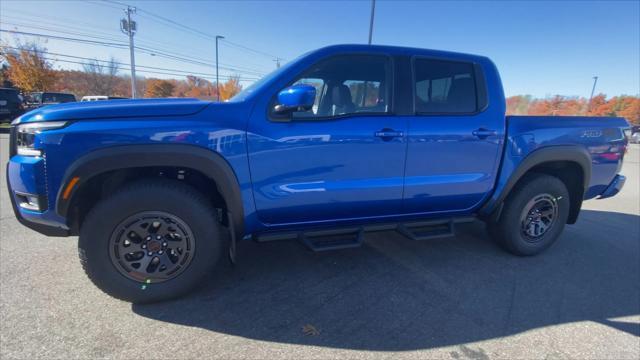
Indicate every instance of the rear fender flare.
{"type": "Point", "coordinates": [571, 153]}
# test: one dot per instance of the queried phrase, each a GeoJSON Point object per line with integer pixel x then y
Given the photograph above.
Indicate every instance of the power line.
{"type": "Point", "coordinates": [251, 50]}
{"type": "Point", "coordinates": [149, 51]}
{"type": "Point", "coordinates": [142, 71]}
{"type": "Point", "coordinates": [103, 43]}
{"type": "Point", "coordinates": [109, 62]}
{"type": "Point", "coordinates": [169, 22]}
{"type": "Point", "coordinates": [108, 37]}
{"type": "Point", "coordinates": [39, 22]}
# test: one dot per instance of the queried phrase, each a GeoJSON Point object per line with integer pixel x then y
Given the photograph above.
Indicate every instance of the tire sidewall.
{"type": "Point", "coordinates": [171, 197]}
{"type": "Point", "coordinates": [509, 227]}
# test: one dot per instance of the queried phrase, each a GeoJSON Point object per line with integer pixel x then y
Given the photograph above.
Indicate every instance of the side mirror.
{"type": "Point", "coordinates": [296, 98]}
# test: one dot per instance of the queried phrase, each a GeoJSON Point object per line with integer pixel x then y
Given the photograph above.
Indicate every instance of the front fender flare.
{"type": "Point", "coordinates": [204, 160]}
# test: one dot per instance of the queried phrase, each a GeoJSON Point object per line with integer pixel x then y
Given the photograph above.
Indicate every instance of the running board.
{"type": "Point", "coordinates": [351, 237]}
{"type": "Point", "coordinates": [333, 239]}
{"type": "Point", "coordinates": [427, 230]}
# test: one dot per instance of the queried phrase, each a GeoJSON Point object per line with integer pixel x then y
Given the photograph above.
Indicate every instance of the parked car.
{"type": "Point", "coordinates": [344, 140]}
{"type": "Point", "coordinates": [100, 98]}
{"type": "Point", "coordinates": [38, 99]}
{"type": "Point", "coordinates": [10, 104]}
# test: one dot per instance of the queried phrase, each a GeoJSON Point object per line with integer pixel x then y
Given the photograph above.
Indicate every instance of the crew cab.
{"type": "Point", "coordinates": [341, 141]}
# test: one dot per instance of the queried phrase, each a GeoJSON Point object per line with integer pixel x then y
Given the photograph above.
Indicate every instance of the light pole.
{"type": "Point", "coordinates": [593, 89]}
{"type": "Point", "coordinates": [373, 11]}
{"type": "Point", "coordinates": [129, 28]}
{"type": "Point", "coordinates": [218, 37]}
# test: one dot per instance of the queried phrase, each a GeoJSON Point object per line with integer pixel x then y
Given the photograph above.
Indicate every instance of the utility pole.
{"type": "Point", "coordinates": [593, 89]}
{"type": "Point", "coordinates": [277, 60]}
{"type": "Point", "coordinates": [373, 11]}
{"type": "Point", "coordinates": [128, 27]}
{"type": "Point", "coordinates": [218, 37]}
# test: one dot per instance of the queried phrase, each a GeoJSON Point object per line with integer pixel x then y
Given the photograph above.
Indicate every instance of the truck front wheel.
{"type": "Point", "coordinates": [533, 216]}
{"type": "Point", "coordinates": [152, 241]}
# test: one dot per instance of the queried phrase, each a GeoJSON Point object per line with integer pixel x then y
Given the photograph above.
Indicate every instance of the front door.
{"type": "Point", "coordinates": [343, 159]}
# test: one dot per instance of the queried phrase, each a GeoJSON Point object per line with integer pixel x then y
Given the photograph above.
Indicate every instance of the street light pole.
{"type": "Point", "coordinates": [218, 37]}
{"type": "Point", "coordinates": [373, 11]}
{"type": "Point", "coordinates": [593, 89]}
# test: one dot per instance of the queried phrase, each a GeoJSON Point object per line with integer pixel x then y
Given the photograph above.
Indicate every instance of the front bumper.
{"type": "Point", "coordinates": [41, 222]}
{"type": "Point", "coordinates": [614, 187]}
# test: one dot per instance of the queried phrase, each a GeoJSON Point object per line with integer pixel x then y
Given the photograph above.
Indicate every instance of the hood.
{"type": "Point", "coordinates": [114, 109]}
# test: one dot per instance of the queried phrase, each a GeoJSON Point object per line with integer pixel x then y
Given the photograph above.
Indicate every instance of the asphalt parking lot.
{"type": "Point", "coordinates": [458, 298]}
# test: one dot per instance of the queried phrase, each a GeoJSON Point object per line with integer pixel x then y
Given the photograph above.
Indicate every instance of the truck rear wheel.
{"type": "Point", "coordinates": [152, 241]}
{"type": "Point", "coordinates": [533, 216]}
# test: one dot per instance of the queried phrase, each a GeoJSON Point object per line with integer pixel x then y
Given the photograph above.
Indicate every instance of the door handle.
{"type": "Point", "coordinates": [483, 133]}
{"type": "Point", "coordinates": [388, 134]}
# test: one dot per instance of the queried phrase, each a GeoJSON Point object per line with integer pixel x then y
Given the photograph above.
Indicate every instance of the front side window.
{"type": "Point", "coordinates": [444, 87]}
{"type": "Point", "coordinates": [348, 84]}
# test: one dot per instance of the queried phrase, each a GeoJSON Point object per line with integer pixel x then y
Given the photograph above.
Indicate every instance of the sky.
{"type": "Point", "coordinates": [541, 48]}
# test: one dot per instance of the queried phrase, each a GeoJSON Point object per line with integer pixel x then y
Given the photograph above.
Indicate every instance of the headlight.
{"type": "Point", "coordinates": [26, 136]}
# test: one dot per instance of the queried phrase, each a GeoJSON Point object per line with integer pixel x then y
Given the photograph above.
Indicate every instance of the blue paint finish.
{"type": "Point", "coordinates": [603, 138]}
{"type": "Point", "coordinates": [297, 96]}
{"type": "Point", "coordinates": [444, 147]}
{"type": "Point", "coordinates": [346, 170]}
{"type": "Point", "coordinates": [614, 188]}
{"type": "Point", "coordinates": [300, 174]}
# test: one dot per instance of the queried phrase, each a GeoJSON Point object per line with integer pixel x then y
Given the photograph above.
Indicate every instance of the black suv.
{"type": "Point", "coordinates": [10, 104]}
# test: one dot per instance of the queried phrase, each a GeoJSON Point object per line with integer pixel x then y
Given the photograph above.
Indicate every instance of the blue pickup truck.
{"type": "Point", "coordinates": [344, 140]}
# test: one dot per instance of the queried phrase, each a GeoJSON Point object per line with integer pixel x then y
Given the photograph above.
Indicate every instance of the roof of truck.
{"type": "Point", "coordinates": [399, 50]}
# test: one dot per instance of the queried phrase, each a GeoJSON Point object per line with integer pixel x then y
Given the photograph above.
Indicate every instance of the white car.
{"type": "Point", "coordinates": [100, 98]}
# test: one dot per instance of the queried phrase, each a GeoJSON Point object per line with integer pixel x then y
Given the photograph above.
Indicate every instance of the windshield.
{"type": "Point", "coordinates": [248, 91]}
{"type": "Point", "coordinates": [242, 95]}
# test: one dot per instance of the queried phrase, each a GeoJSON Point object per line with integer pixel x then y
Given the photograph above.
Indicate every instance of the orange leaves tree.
{"type": "Point", "coordinates": [28, 69]}
{"type": "Point", "coordinates": [230, 88]}
{"type": "Point", "coordinates": [624, 106]}
{"type": "Point", "coordinates": [157, 88]}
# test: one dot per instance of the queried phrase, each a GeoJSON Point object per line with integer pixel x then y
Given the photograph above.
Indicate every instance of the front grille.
{"type": "Point", "coordinates": [12, 141]}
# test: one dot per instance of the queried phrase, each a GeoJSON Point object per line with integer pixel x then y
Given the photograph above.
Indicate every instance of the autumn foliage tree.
{"type": "Point", "coordinates": [28, 69]}
{"type": "Point", "coordinates": [101, 78]}
{"type": "Point", "coordinates": [624, 106]}
{"type": "Point", "coordinates": [157, 88]}
{"type": "Point", "coordinates": [230, 88]}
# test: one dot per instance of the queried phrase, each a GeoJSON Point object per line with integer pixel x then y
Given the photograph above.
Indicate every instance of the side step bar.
{"type": "Point", "coordinates": [350, 237]}
{"type": "Point", "coordinates": [333, 239]}
{"type": "Point", "coordinates": [427, 230]}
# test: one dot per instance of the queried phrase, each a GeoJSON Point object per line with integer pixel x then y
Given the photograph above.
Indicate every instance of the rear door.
{"type": "Point", "coordinates": [454, 142]}
{"type": "Point", "coordinates": [344, 159]}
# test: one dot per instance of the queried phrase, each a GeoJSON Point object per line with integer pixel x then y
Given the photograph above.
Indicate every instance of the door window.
{"type": "Point", "coordinates": [444, 87]}
{"type": "Point", "coordinates": [348, 84]}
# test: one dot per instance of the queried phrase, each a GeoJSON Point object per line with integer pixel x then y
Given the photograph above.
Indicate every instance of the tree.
{"type": "Point", "coordinates": [230, 88]}
{"type": "Point", "coordinates": [518, 105]}
{"type": "Point", "coordinates": [630, 109]}
{"type": "Point", "coordinates": [28, 69]}
{"type": "Point", "coordinates": [157, 88]}
{"type": "Point", "coordinates": [195, 87]}
{"type": "Point", "coordinates": [101, 78]}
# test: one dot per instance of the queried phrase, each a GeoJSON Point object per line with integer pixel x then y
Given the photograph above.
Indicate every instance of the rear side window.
{"type": "Point", "coordinates": [444, 87]}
